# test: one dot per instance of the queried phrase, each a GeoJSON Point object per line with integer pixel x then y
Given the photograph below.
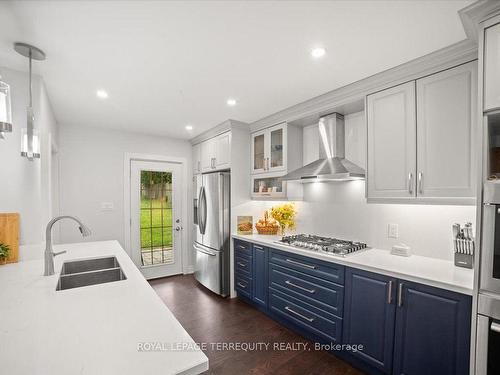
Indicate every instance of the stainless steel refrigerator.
{"type": "Point", "coordinates": [211, 231]}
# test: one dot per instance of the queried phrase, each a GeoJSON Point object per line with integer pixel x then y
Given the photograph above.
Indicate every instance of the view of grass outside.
{"type": "Point", "coordinates": [156, 217]}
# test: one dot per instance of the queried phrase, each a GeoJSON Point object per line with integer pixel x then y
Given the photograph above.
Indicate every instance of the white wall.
{"type": "Point", "coordinates": [91, 168]}
{"type": "Point", "coordinates": [25, 184]}
{"type": "Point", "coordinates": [339, 209]}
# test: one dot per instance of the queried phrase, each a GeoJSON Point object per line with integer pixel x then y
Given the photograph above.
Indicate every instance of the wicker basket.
{"type": "Point", "coordinates": [270, 229]}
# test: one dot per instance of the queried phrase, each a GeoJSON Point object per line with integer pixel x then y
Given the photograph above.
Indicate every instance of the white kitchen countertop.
{"type": "Point", "coordinates": [90, 330]}
{"type": "Point", "coordinates": [434, 272]}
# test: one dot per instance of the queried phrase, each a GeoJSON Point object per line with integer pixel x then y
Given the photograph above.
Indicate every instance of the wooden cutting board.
{"type": "Point", "coordinates": [9, 234]}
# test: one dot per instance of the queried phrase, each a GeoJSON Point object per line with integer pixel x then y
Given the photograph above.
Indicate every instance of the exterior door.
{"type": "Point", "coordinates": [156, 222]}
{"type": "Point", "coordinates": [446, 103]}
{"type": "Point", "coordinates": [391, 121]}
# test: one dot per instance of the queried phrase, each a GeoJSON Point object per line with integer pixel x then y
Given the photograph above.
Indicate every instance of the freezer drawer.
{"type": "Point", "coordinates": [210, 268]}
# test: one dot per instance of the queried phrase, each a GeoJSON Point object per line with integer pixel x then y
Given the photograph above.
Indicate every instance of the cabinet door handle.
{"type": "Point", "coordinates": [420, 183]}
{"type": "Point", "coordinates": [300, 264]}
{"type": "Point", "coordinates": [400, 294]}
{"type": "Point", "coordinates": [215, 162]}
{"type": "Point", "coordinates": [410, 183]}
{"type": "Point", "coordinates": [242, 265]}
{"type": "Point", "coordinates": [241, 285]}
{"type": "Point", "coordinates": [310, 320]}
{"type": "Point", "coordinates": [258, 247]}
{"type": "Point", "coordinates": [389, 292]}
{"type": "Point", "coordinates": [199, 168]}
{"type": "Point", "coordinates": [241, 247]}
{"type": "Point", "coordinates": [288, 282]}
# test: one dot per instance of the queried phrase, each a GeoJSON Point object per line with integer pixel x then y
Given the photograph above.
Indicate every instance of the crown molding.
{"type": "Point", "coordinates": [219, 129]}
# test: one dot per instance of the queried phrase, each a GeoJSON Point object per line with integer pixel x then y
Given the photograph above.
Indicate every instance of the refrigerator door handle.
{"type": "Point", "coordinates": [204, 205]}
{"type": "Point", "coordinates": [198, 211]}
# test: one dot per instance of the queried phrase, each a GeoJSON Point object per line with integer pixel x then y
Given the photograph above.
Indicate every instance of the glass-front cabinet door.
{"type": "Point", "coordinates": [259, 152]}
{"type": "Point", "coordinates": [269, 150]}
{"type": "Point", "coordinates": [268, 185]}
{"type": "Point", "coordinates": [276, 160]}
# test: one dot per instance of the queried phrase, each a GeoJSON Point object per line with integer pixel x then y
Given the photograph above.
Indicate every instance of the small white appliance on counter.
{"type": "Point", "coordinates": [211, 231]}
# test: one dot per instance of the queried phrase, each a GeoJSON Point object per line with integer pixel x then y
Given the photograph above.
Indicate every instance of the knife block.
{"type": "Point", "coordinates": [464, 260]}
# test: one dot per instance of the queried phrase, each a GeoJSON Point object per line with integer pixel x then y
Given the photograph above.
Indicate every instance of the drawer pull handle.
{"type": "Point", "coordinates": [242, 264]}
{"type": "Point", "coordinates": [310, 320]}
{"type": "Point", "coordinates": [242, 285]}
{"type": "Point", "coordinates": [258, 247]}
{"type": "Point", "coordinates": [312, 291]}
{"type": "Point", "coordinates": [241, 247]}
{"type": "Point", "coordinates": [300, 264]}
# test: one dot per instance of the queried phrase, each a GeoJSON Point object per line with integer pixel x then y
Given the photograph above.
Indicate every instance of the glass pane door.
{"type": "Point", "coordinates": [156, 218]}
{"type": "Point", "coordinates": [258, 152]}
{"type": "Point", "coordinates": [276, 148]}
{"type": "Point", "coordinates": [156, 191]}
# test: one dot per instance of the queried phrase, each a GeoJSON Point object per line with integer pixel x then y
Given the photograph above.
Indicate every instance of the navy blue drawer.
{"type": "Point", "coordinates": [324, 294]}
{"type": "Point", "coordinates": [243, 285]}
{"type": "Point", "coordinates": [242, 248]}
{"type": "Point", "coordinates": [305, 317]}
{"type": "Point", "coordinates": [324, 270]}
{"type": "Point", "coordinates": [243, 264]}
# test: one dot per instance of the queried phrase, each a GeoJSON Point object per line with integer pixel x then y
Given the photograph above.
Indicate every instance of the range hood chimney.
{"type": "Point", "coordinates": [332, 164]}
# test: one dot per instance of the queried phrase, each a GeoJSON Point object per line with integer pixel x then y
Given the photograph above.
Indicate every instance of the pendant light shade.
{"type": "Point", "coordinates": [5, 109]}
{"type": "Point", "coordinates": [30, 137]}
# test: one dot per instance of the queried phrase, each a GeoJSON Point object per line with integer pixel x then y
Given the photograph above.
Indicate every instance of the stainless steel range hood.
{"type": "Point", "coordinates": [332, 164]}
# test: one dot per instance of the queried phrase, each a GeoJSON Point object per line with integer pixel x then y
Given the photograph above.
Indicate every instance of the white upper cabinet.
{"type": "Point", "coordinates": [391, 142]}
{"type": "Point", "coordinates": [215, 153]}
{"type": "Point", "coordinates": [445, 135]}
{"type": "Point", "coordinates": [197, 158]}
{"type": "Point", "coordinates": [269, 149]}
{"type": "Point", "coordinates": [492, 67]}
{"type": "Point", "coordinates": [421, 138]}
{"type": "Point", "coordinates": [223, 151]}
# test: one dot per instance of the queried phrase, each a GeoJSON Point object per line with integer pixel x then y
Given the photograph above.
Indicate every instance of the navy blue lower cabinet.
{"type": "Point", "coordinates": [260, 275]}
{"type": "Point", "coordinates": [369, 317]}
{"type": "Point", "coordinates": [432, 331]}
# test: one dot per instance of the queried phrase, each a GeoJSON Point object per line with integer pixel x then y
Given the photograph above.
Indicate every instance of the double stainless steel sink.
{"type": "Point", "coordinates": [85, 272]}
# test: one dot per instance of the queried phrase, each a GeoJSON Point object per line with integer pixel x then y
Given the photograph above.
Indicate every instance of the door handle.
{"type": "Point", "coordinates": [400, 294]}
{"type": "Point", "coordinates": [420, 184]}
{"type": "Point", "coordinates": [495, 327]}
{"type": "Point", "coordinates": [177, 229]}
{"type": "Point", "coordinates": [410, 183]}
{"type": "Point", "coordinates": [389, 292]}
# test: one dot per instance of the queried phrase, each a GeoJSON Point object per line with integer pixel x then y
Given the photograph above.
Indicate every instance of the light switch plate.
{"type": "Point", "coordinates": [392, 231]}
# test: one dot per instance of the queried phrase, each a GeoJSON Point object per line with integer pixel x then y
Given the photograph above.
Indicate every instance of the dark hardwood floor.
{"type": "Point", "coordinates": [209, 318]}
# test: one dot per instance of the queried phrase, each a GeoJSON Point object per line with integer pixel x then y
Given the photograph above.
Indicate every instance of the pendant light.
{"type": "Point", "coordinates": [5, 109]}
{"type": "Point", "coordinates": [30, 138]}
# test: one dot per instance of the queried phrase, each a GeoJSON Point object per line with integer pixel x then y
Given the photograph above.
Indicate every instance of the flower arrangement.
{"type": "Point", "coordinates": [285, 216]}
{"type": "Point", "coordinates": [4, 253]}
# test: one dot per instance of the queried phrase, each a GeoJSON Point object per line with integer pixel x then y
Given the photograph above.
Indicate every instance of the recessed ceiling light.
{"type": "Point", "coordinates": [102, 94]}
{"type": "Point", "coordinates": [318, 52]}
{"type": "Point", "coordinates": [189, 127]}
{"type": "Point", "coordinates": [231, 102]}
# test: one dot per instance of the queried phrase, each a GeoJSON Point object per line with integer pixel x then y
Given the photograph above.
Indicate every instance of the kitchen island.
{"type": "Point", "coordinates": [120, 327]}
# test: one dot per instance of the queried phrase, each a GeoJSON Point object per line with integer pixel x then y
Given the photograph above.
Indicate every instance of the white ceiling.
{"type": "Point", "coordinates": [167, 64]}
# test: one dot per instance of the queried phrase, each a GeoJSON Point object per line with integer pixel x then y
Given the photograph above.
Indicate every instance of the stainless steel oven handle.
{"type": "Point", "coordinates": [495, 327]}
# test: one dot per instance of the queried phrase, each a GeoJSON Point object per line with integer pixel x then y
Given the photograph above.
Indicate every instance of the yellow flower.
{"type": "Point", "coordinates": [284, 215]}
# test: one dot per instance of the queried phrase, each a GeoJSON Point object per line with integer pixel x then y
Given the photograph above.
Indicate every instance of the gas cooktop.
{"type": "Point", "coordinates": [328, 245]}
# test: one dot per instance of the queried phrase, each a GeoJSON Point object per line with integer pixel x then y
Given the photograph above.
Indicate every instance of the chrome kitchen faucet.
{"type": "Point", "coordinates": [49, 253]}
